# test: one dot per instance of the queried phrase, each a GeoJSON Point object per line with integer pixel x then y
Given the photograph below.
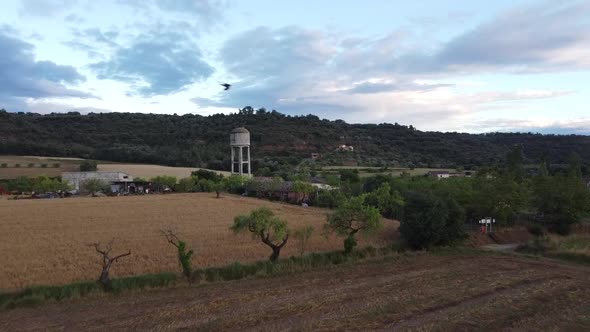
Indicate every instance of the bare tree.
{"type": "Point", "coordinates": [107, 262]}
{"type": "Point", "coordinates": [184, 257]}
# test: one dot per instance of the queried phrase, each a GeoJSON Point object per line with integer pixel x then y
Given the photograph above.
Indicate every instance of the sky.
{"type": "Point", "coordinates": [456, 65]}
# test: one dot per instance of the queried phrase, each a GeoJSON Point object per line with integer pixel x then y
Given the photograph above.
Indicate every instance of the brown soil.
{"type": "Point", "coordinates": [504, 236]}
{"type": "Point", "coordinates": [419, 292]}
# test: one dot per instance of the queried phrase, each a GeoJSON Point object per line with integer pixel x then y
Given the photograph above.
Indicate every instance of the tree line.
{"type": "Point", "coordinates": [278, 141]}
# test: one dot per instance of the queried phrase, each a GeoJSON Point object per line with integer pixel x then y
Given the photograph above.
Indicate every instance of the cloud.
{"type": "Point", "coordinates": [202, 12]}
{"type": "Point", "coordinates": [45, 8]}
{"type": "Point", "coordinates": [47, 107]}
{"type": "Point", "coordinates": [207, 9]}
{"type": "Point", "coordinates": [21, 76]}
{"type": "Point", "coordinates": [543, 37]}
{"type": "Point", "coordinates": [156, 63]}
{"type": "Point", "coordinates": [381, 86]}
{"type": "Point", "coordinates": [396, 78]}
{"type": "Point", "coordinates": [272, 65]}
{"type": "Point", "coordinates": [93, 41]}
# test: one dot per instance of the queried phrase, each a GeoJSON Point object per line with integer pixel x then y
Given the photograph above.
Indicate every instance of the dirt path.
{"type": "Point", "coordinates": [422, 292]}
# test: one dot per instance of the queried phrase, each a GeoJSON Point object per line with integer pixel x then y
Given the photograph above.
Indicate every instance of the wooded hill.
{"type": "Point", "coordinates": [194, 140]}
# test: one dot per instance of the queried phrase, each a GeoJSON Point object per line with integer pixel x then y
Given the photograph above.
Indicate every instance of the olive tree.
{"type": "Point", "coordinates": [262, 223]}
{"type": "Point", "coordinates": [107, 261]}
{"type": "Point", "coordinates": [184, 256]}
{"type": "Point", "coordinates": [351, 217]}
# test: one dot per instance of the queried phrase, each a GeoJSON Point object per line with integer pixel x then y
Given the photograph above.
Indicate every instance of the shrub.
{"type": "Point", "coordinates": [43, 165]}
{"type": "Point", "coordinates": [17, 165]}
{"type": "Point", "coordinates": [186, 185]}
{"type": "Point", "coordinates": [30, 165]}
{"type": "Point", "coordinates": [429, 221]}
{"type": "Point", "coordinates": [88, 166]}
{"type": "Point", "coordinates": [3, 165]}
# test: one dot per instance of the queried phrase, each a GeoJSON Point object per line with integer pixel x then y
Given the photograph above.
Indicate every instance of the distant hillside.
{"type": "Point", "coordinates": [198, 141]}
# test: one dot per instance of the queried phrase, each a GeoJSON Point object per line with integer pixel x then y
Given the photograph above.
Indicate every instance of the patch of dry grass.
{"type": "Point", "coordinates": [45, 241]}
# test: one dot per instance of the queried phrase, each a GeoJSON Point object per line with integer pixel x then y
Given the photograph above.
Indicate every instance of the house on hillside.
{"type": "Point", "coordinates": [345, 148]}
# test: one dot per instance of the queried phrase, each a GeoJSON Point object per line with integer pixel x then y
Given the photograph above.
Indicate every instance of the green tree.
{"type": "Point", "coordinates": [44, 184]}
{"type": "Point", "coordinates": [424, 220]}
{"type": "Point", "coordinates": [184, 256]}
{"type": "Point", "coordinates": [303, 190]}
{"type": "Point", "coordinates": [235, 184]}
{"type": "Point", "coordinates": [560, 201]}
{"type": "Point", "coordinates": [514, 161]}
{"type": "Point", "coordinates": [329, 198]}
{"type": "Point", "coordinates": [207, 175]}
{"type": "Point", "coordinates": [431, 220]}
{"type": "Point", "coordinates": [388, 202]}
{"type": "Point", "coordinates": [186, 185]}
{"type": "Point", "coordinates": [205, 186]}
{"type": "Point", "coordinates": [262, 223]}
{"type": "Point", "coordinates": [164, 181]}
{"type": "Point", "coordinates": [20, 184]}
{"type": "Point", "coordinates": [351, 217]}
{"type": "Point", "coordinates": [220, 187]}
{"type": "Point", "coordinates": [502, 198]}
{"type": "Point", "coordinates": [574, 166]}
{"type": "Point", "coordinates": [88, 166]}
{"type": "Point", "coordinates": [95, 185]}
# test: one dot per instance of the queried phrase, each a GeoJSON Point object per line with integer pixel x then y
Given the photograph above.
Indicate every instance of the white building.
{"type": "Point", "coordinates": [114, 179]}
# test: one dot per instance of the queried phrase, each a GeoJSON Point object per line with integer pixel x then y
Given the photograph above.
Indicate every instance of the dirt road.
{"type": "Point", "coordinates": [424, 292]}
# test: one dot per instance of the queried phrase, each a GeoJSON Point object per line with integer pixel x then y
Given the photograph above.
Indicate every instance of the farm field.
{"type": "Point", "coordinates": [11, 172]}
{"type": "Point", "coordinates": [422, 292]}
{"type": "Point", "coordinates": [150, 171]}
{"type": "Point", "coordinates": [46, 241]}
{"type": "Point", "coordinates": [145, 171]}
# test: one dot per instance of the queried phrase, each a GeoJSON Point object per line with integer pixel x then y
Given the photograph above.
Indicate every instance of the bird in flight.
{"type": "Point", "coordinates": [225, 85]}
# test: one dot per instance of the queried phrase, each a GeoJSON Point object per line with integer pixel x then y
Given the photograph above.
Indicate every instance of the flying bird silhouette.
{"type": "Point", "coordinates": [226, 86]}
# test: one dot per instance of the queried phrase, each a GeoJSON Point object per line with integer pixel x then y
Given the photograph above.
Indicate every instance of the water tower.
{"type": "Point", "coordinates": [239, 139]}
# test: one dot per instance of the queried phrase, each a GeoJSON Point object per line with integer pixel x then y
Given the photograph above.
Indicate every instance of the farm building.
{"type": "Point", "coordinates": [119, 181]}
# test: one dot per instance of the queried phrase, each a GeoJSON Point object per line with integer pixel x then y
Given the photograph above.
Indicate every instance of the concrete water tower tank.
{"type": "Point", "coordinates": [239, 140]}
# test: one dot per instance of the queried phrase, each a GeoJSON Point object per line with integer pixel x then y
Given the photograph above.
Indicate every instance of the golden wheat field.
{"type": "Point", "coordinates": [46, 241]}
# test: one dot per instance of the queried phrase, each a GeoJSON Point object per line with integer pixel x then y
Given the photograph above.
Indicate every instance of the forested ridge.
{"type": "Point", "coordinates": [194, 140]}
